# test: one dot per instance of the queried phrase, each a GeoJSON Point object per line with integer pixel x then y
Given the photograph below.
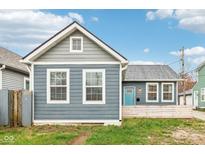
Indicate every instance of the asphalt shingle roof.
{"type": "Point", "coordinates": [149, 72]}
{"type": "Point", "coordinates": [11, 59]}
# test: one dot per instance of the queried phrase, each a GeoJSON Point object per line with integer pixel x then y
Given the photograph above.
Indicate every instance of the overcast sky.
{"type": "Point", "coordinates": [143, 36]}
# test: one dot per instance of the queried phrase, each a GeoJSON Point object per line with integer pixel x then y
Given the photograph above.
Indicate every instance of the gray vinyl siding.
{"type": "Point", "coordinates": [12, 80]}
{"type": "Point", "coordinates": [61, 52]}
{"type": "Point", "coordinates": [142, 97]}
{"type": "Point", "coordinates": [76, 110]}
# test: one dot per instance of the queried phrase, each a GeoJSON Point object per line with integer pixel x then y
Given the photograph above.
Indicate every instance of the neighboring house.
{"type": "Point", "coordinates": [77, 78]}
{"type": "Point", "coordinates": [188, 96]}
{"type": "Point", "coordinates": [150, 85]}
{"type": "Point", "coordinates": [13, 74]}
{"type": "Point", "coordinates": [199, 88]}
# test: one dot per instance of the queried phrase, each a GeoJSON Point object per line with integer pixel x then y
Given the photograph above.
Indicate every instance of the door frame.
{"type": "Point", "coordinates": [124, 94]}
{"type": "Point", "coordinates": [196, 104]}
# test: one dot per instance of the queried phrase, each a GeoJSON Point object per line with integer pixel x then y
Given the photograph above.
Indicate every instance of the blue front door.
{"type": "Point", "coordinates": [129, 95]}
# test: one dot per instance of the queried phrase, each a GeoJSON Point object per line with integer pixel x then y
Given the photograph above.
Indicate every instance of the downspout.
{"type": "Point", "coordinates": [1, 80]}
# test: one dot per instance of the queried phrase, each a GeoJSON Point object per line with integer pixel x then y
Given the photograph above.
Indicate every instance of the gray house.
{"type": "Point", "coordinates": [150, 85]}
{"type": "Point", "coordinates": [13, 74]}
{"type": "Point", "coordinates": [77, 78]}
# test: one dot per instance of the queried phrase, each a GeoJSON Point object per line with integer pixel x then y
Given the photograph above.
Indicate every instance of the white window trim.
{"type": "Point", "coordinates": [71, 44]}
{"type": "Point", "coordinates": [162, 91]}
{"type": "Point", "coordinates": [201, 95]}
{"type": "Point", "coordinates": [24, 85]}
{"type": "Point", "coordinates": [84, 86]}
{"type": "Point", "coordinates": [152, 83]}
{"type": "Point", "coordinates": [68, 87]}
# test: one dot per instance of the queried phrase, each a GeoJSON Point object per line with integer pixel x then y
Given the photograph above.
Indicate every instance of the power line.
{"type": "Point", "coordinates": [173, 62]}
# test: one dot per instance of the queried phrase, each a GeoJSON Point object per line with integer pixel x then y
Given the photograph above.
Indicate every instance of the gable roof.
{"type": "Point", "coordinates": [64, 33]}
{"type": "Point", "coordinates": [12, 60]}
{"type": "Point", "coordinates": [150, 73]}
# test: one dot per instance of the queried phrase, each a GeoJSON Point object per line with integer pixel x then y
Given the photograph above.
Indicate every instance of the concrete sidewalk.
{"type": "Point", "coordinates": [199, 115]}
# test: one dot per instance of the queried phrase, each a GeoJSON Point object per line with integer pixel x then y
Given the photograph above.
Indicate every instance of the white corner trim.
{"type": "Point", "coordinates": [162, 91]}
{"type": "Point", "coordinates": [120, 93]}
{"type": "Point", "coordinates": [24, 82]}
{"type": "Point", "coordinates": [67, 101]}
{"type": "Point", "coordinates": [42, 49]}
{"type": "Point", "coordinates": [71, 44]}
{"type": "Point", "coordinates": [84, 86]}
{"type": "Point", "coordinates": [152, 83]}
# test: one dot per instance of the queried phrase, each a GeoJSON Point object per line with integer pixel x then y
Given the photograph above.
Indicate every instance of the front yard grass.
{"type": "Point", "coordinates": [132, 131]}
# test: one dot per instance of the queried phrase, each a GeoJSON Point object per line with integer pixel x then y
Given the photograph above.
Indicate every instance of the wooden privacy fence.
{"type": "Point", "coordinates": [15, 108]}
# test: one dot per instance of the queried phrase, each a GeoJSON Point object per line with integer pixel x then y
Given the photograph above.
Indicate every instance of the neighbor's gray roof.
{"type": "Point", "coordinates": [149, 72]}
{"type": "Point", "coordinates": [11, 59]}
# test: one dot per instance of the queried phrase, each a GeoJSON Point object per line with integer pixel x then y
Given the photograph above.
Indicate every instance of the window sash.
{"type": "Point", "coordinates": [167, 92]}
{"type": "Point", "coordinates": [96, 94]}
{"type": "Point", "coordinates": [57, 89]}
{"type": "Point", "coordinates": [150, 91]}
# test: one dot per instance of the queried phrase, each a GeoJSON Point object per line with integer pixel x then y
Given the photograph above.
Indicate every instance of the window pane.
{"type": "Point", "coordinates": [94, 93]}
{"type": "Point", "coordinates": [152, 96]}
{"type": "Point", "coordinates": [93, 78]}
{"type": "Point", "coordinates": [167, 88]}
{"type": "Point", "coordinates": [152, 88]}
{"type": "Point", "coordinates": [76, 44]}
{"type": "Point", "coordinates": [58, 93]}
{"type": "Point", "coordinates": [27, 85]}
{"type": "Point", "coordinates": [167, 96]}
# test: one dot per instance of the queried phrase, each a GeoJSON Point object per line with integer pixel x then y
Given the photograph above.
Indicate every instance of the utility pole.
{"type": "Point", "coordinates": [183, 74]}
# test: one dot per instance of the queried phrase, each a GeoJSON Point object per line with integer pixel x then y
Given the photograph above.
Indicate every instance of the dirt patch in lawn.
{"type": "Point", "coordinates": [81, 139]}
{"type": "Point", "coordinates": [188, 136]}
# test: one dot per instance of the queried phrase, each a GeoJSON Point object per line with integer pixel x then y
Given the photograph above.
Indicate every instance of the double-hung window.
{"type": "Point", "coordinates": [167, 92]}
{"type": "Point", "coordinates": [57, 86]}
{"type": "Point", "coordinates": [76, 44]}
{"type": "Point", "coordinates": [152, 90]}
{"type": "Point", "coordinates": [94, 86]}
{"type": "Point", "coordinates": [203, 94]}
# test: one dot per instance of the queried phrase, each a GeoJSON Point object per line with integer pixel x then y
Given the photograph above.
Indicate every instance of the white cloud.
{"type": "Point", "coordinates": [142, 62]}
{"type": "Point", "coordinates": [146, 50]}
{"type": "Point", "coordinates": [95, 19]}
{"type": "Point", "coordinates": [194, 55]}
{"type": "Point", "coordinates": [193, 20]}
{"type": "Point", "coordinates": [23, 30]}
{"type": "Point", "coordinates": [159, 14]}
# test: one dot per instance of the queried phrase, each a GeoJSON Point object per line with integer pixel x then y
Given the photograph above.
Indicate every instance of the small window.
{"type": "Point", "coordinates": [167, 92]}
{"type": "Point", "coordinates": [94, 86]}
{"type": "Point", "coordinates": [76, 44]}
{"type": "Point", "coordinates": [203, 94]}
{"type": "Point", "coordinates": [57, 85]}
{"type": "Point", "coordinates": [152, 92]}
{"type": "Point", "coordinates": [26, 84]}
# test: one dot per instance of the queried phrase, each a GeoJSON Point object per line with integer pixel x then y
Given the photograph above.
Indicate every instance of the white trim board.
{"type": "Point", "coordinates": [66, 32]}
{"type": "Point", "coordinates": [162, 91]}
{"type": "Point", "coordinates": [64, 122]}
{"type": "Point", "coordinates": [76, 63]}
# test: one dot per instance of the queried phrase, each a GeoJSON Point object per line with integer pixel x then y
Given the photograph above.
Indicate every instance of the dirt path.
{"type": "Point", "coordinates": [80, 140]}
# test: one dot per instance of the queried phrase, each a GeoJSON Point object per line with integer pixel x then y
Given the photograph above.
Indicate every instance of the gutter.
{"type": "Point", "coordinates": [1, 68]}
